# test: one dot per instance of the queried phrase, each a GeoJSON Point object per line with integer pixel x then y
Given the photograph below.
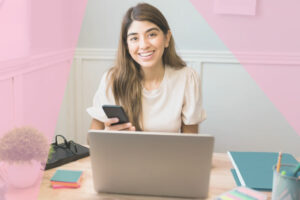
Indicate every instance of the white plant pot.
{"type": "Point", "coordinates": [22, 174]}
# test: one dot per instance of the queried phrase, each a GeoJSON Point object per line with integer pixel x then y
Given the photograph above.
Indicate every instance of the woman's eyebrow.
{"type": "Point", "coordinates": [152, 29]}
{"type": "Point", "coordinates": [148, 30]}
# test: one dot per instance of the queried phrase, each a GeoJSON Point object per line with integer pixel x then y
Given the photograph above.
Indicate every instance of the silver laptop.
{"type": "Point", "coordinates": [160, 164]}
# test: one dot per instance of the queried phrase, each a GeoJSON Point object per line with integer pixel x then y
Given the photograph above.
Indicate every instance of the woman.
{"type": "Point", "coordinates": [152, 83]}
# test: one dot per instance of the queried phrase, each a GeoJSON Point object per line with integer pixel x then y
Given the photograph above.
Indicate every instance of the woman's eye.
{"type": "Point", "coordinates": [152, 34]}
{"type": "Point", "coordinates": [132, 39]}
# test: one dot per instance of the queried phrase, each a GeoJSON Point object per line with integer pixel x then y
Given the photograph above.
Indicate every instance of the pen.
{"type": "Point", "coordinates": [279, 161]}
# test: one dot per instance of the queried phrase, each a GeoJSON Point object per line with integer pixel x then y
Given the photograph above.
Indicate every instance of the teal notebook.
{"type": "Point", "coordinates": [255, 169]}
{"type": "Point", "coordinates": [69, 176]}
{"type": "Point", "coordinates": [236, 178]}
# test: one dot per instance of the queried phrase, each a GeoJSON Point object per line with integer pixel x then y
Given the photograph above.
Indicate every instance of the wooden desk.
{"type": "Point", "coordinates": [221, 180]}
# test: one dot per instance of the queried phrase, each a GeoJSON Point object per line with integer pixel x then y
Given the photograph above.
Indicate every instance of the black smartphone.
{"type": "Point", "coordinates": [113, 111]}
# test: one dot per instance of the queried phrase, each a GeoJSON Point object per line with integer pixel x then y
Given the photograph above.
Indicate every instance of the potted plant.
{"type": "Point", "coordinates": [22, 154]}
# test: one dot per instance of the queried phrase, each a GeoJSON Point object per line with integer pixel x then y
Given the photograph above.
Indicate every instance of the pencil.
{"type": "Point", "coordinates": [279, 161]}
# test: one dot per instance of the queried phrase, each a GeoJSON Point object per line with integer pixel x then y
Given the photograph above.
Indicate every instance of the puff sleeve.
{"type": "Point", "coordinates": [192, 110]}
{"type": "Point", "coordinates": [101, 98]}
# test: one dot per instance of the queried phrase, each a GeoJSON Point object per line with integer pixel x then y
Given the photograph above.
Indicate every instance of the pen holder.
{"type": "Point", "coordinates": [285, 186]}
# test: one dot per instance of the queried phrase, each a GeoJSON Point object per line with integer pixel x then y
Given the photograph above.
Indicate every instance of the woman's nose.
{"type": "Point", "coordinates": [144, 43]}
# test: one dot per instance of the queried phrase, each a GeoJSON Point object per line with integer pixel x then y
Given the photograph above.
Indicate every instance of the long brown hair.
{"type": "Point", "coordinates": [126, 76]}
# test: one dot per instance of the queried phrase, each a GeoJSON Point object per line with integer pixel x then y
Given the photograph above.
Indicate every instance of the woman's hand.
{"type": "Point", "coordinates": [125, 126]}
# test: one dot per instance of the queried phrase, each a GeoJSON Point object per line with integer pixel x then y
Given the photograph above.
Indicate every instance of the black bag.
{"type": "Point", "coordinates": [65, 152]}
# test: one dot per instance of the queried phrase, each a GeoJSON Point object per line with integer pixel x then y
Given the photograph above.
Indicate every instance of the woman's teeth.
{"type": "Point", "coordinates": [146, 54]}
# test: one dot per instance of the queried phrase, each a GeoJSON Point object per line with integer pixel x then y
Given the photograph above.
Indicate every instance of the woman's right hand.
{"type": "Point", "coordinates": [125, 126]}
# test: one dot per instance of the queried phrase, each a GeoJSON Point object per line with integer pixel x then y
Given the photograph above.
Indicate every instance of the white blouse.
{"type": "Point", "coordinates": [177, 99]}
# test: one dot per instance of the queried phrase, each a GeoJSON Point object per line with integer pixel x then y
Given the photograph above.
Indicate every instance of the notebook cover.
{"type": "Point", "coordinates": [255, 169]}
{"type": "Point", "coordinates": [236, 178]}
{"type": "Point", "coordinates": [65, 184]}
{"type": "Point", "coordinates": [70, 176]}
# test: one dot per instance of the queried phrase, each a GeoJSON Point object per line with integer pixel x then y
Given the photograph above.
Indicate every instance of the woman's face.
{"type": "Point", "coordinates": [146, 43]}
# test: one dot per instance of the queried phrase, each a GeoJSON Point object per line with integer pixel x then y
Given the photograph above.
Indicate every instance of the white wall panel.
{"type": "Point", "coordinates": [240, 115]}
{"type": "Point", "coordinates": [236, 107]}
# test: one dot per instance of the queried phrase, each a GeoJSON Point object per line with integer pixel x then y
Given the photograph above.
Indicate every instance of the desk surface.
{"type": "Point", "coordinates": [221, 181]}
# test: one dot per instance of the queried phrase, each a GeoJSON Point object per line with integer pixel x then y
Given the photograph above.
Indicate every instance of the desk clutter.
{"type": "Point", "coordinates": [286, 180]}
{"type": "Point", "coordinates": [66, 179]}
{"type": "Point", "coordinates": [65, 152]}
{"type": "Point", "coordinates": [242, 193]}
{"type": "Point", "coordinates": [255, 169]}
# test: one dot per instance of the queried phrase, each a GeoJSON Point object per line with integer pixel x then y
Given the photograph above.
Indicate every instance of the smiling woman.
{"type": "Point", "coordinates": [152, 83]}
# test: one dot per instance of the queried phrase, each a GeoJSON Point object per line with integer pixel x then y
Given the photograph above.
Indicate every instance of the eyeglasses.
{"type": "Point", "coordinates": [63, 151]}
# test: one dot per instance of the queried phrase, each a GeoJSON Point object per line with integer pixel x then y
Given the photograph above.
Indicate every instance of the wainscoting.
{"type": "Point", "coordinates": [29, 94]}
{"type": "Point", "coordinates": [86, 72]}
{"type": "Point", "coordinates": [239, 114]}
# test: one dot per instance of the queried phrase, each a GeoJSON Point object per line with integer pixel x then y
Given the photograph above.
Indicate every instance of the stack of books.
{"type": "Point", "coordinates": [255, 169]}
{"type": "Point", "coordinates": [66, 179]}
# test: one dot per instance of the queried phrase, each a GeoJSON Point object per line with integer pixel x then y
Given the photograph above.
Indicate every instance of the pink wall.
{"type": "Point", "coordinates": [271, 34]}
{"type": "Point", "coordinates": [6, 105]}
{"type": "Point", "coordinates": [37, 42]}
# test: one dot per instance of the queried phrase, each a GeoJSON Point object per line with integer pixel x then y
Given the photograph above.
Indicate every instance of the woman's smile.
{"type": "Point", "coordinates": [146, 55]}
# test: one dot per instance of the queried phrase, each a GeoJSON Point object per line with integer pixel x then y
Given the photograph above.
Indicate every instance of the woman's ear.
{"type": "Point", "coordinates": [168, 37]}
